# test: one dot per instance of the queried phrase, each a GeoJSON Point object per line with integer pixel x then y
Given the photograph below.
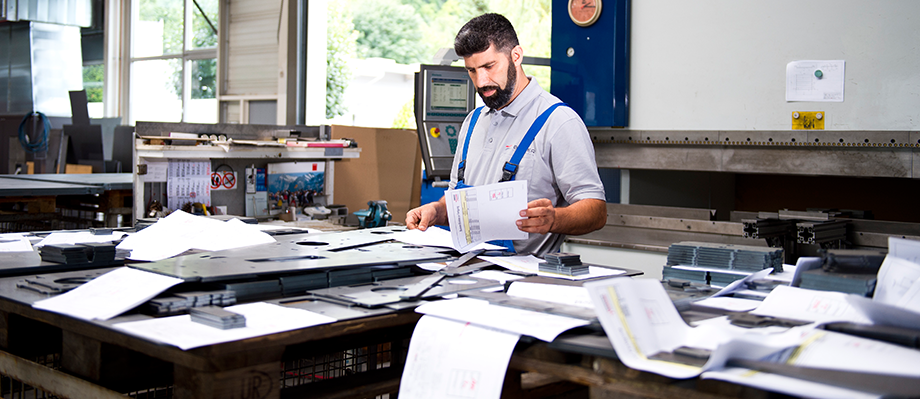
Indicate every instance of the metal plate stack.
{"type": "Point", "coordinates": [65, 253]}
{"type": "Point", "coordinates": [217, 317]}
{"type": "Point", "coordinates": [725, 256]}
{"type": "Point", "coordinates": [696, 276]}
{"type": "Point", "coordinates": [851, 283]}
{"type": "Point", "coordinates": [723, 279]}
{"type": "Point", "coordinates": [564, 263]}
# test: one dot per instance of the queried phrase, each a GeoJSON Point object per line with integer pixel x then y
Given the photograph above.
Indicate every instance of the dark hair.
{"type": "Point", "coordinates": [482, 31]}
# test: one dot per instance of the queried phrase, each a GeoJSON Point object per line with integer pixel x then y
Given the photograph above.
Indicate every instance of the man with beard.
{"type": "Point", "coordinates": [556, 156]}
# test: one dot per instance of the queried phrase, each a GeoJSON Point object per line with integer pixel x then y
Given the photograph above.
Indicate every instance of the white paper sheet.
{"type": "Point", "coordinates": [448, 358]}
{"type": "Point", "coordinates": [640, 320]}
{"type": "Point", "coordinates": [74, 237]}
{"type": "Point", "coordinates": [827, 350]}
{"type": "Point", "coordinates": [181, 231]}
{"type": "Point", "coordinates": [729, 303]}
{"type": "Point", "coordinates": [803, 84]}
{"type": "Point", "coordinates": [786, 276]}
{"type": "Point", "coordinates": [539, 325]}
{"type": "Point", "coordinates": [485, 213]}
{"type": "Point", "coordinates": [109, 295]}
{"type": "Point", "coordinates": [156, 172]}
{"type": "Point", "coordinates": [884, 314]}
{"type": "Point", "coordinates": [261, 319]}
{"type": "Point", "coordinates": [496, 275]}
{"type": "Point", "coordinates": [434, 236]}
{"type": "Point", "coordinates": [564, 294]}
{"type": "Point", "coordinates": [895, 278]}
{"type": "Point", "coordinates": [740, 284]}
{"type": "Point", "coordinates": [809, 305]}
{"type": "Point", "coordinates": [15, 242]}
{"type": "Point", "coordinates": [531, 264]}
{"type": "Point", "coordinates": [904, 249]}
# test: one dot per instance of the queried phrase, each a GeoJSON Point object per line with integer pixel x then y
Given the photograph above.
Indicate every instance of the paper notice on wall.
{"type": "Point", "coordinates": [818, 81]}
{"type": "Point", "coordinates": [188, 182]}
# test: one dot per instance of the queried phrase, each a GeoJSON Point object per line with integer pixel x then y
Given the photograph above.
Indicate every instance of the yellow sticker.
{"type": "Point", "coordinates": [808, 120]}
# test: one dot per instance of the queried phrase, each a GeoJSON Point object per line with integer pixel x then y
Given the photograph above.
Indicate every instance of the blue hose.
{"type": "Point", "coordinates": [26, 141]}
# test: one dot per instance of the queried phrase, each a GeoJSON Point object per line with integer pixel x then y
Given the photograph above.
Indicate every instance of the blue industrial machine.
{"type": "Point", "coordinates": [590, 59]}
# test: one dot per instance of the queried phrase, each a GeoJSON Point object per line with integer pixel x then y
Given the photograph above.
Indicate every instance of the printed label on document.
{"type": "Point", "coordinates": [485, 213]}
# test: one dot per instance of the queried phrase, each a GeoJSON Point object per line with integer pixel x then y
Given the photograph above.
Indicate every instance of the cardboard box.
{"type": "Point", "coordinates": [389, 168]}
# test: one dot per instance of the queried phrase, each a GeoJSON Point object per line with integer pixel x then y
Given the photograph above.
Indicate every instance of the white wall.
{"type": "Point", "coordinates": [720, 64]}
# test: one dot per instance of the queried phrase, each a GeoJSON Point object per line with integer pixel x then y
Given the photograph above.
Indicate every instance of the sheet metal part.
{"type": "Point", "coordinates": [294, 254]}
{"type": "Point", "coordinates": [390, 291]}
{"type": "Point", "coordinates": [501, 299]}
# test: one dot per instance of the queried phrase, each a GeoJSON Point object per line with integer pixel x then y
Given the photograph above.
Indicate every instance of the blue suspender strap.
{"type": "Point", "coordinates": [510, 168]}
{"type": "Point", "coordinates": [466, 145]}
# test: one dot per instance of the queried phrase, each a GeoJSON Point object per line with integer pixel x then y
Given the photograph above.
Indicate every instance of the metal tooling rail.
{"type": "Point", "coordinates": [654, 228]}
{"type": "Point", "coordinates": [803, 152]}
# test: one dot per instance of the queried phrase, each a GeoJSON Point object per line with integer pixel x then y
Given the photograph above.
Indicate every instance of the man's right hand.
{"type": "Point", "coordinates": [427, 215]}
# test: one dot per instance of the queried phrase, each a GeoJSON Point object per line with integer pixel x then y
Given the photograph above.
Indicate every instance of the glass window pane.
{"type": "Point", "coordinates": [204, 26]}
{"type": "Point", "coordinates": [159, 28]}
{"type": "Point", "coordinates": [202, 106]}
{"type": "Point", "coordinates": [156, 91]}
{"type": "Point", "coordinates": [204, 78]}
{"type": "Point", "coordinates": [92, 83]}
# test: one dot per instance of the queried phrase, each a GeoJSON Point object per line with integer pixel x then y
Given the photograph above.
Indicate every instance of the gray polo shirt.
{"type": "Point", "coordinates": [559, 165]}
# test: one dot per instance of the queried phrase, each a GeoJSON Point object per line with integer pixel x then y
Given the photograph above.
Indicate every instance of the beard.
{"type": "Point", "coordinates": [501, 96]}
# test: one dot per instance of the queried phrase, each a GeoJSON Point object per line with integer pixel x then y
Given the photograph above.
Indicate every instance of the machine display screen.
{"type": "Point", "coordinates": [449, 94]}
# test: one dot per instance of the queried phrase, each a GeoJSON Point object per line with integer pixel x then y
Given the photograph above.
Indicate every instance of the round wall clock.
{"type": "Point", "coordinates": [584, 12]}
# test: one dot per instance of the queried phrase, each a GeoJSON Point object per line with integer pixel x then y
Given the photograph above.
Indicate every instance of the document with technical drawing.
{"type": "Point", "coordinates": [485, 213]}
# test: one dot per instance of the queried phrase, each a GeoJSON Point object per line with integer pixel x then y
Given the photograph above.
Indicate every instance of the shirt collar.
{"type": "Point", "coordinates": [530, 93]}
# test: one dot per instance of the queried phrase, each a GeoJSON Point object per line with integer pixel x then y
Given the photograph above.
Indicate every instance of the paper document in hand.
{"type": "Point", "coordinates": [485, 213]}
{"type": "Point", "coordinates": [452, 359]}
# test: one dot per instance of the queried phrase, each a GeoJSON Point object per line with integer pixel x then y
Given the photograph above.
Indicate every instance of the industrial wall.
{"type": "Point", "coordinates": [720, 64]}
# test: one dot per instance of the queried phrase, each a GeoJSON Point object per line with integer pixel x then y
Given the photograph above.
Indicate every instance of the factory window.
{"type": "Point", "coordinates": [173, 61]}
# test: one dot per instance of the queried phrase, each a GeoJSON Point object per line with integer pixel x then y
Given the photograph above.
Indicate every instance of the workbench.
{"type": "Point", "coordinates": [360, 355]}
{"type": "Point", "coordinates": [58, 201]}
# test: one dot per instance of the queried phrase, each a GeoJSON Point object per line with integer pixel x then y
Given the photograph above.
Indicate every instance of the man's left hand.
{"type": "Point", "coordinates": [540, 216]}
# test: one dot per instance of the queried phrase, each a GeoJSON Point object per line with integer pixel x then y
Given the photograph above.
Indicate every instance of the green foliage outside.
{"type": "Point", "coordinates": [341, 39]}
{"type": "Point", "coordinates": [92, 82]}
{"type": "Point", "coordinates": [170, 14]}
{"type": "Point", "coordinates": [405, 119]}
{"type": "Point", "coordinates": [412, 31]}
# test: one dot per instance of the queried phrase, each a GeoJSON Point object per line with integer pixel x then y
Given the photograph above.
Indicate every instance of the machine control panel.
{"type": "Point", "coordinates": [444, 96]}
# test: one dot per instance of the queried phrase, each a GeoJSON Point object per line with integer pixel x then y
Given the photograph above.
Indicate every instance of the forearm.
{"type": "Point", "coordinates": [582, 217]}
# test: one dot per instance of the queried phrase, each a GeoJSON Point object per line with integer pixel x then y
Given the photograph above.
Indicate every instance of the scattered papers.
{"type": "Point", "coordinates": [109, 295]}
{"type": "Point", "coordinates": [181, 231]}
{"type": "Point", "coordinates": [261, 319]}
{"type": "Point", "coordinates": [78, 237]}
{"type": "Point", "coordinates": [820, 349]}
{"type": "Point", "coordinates": [435, 237]}
{"type": "Point", "coordinates": [820, 81]}
{"type": "Point", "coordinates": [895, 279]}
{"type": "Point", "coordinates": [484, 213]}
{"type": "Point", "coordinates": [641, 321]}
{"type": "Point", "coordinates": [15, 242]}
{"type": "Point", "coordinates": [530, 264]}
{"type": "Point", "coordinates": [564, 294]}
{"type": "Point", "coordinates": [448, 358]}
{"type": "Point", "coordinates": [809, 305]}
{"type": "Point", "coordinates": [729, 303]}
{"type": "Point", "coordinates": [496, 275]}
{"type": "Point", "coordinates": [539, 325]}
{"type": "Point", "coordinates": [884, 314]}
{"type": "Point", "coordinates": [741, 284]}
